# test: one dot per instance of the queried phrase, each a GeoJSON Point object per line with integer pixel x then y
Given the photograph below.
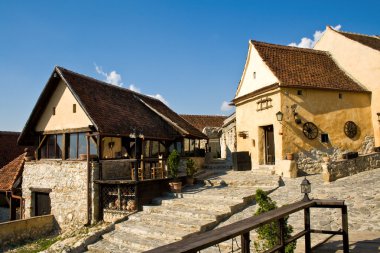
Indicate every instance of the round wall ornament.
{"type": "Point", "coordinates": [350, 129]}
{"type": "Point", "coordinates": [310, 130]}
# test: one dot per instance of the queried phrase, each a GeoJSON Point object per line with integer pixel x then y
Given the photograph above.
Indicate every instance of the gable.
{"type": "Point", "coordinates": [263, 75]}
{"type": "Point", "coordinates": [62, 100]}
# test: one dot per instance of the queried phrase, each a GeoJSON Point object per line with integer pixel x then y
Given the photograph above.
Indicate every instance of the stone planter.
{"type": "Point", "coordinates": [189, 180]}
{"type": "Point", "coordinates": [289, 156]}
{"type": "Point", "coordinates": [176, 187]}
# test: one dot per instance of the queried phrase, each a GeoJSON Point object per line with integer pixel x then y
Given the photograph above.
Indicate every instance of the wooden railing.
{"type": "Point", "coordinates": [242, 228]}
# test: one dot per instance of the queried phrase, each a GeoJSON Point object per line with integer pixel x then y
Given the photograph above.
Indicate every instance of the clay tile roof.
{"type": "Point", "coordinates": [305, 68]}
{"type": "Point", "coordinates": [202, 121]}
{"type": "Point", "coordinates": [9, 149]}
{"type": "Point", "coordinates": [11, 172]}
{"type": "Point", "coordinates": [371, 41]}
{"type": "Point", "coordinates": [115, 110]}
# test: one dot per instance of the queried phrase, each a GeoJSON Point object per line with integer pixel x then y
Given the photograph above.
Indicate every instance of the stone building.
{"type": "Point", "coordinates": [358, 55]}
{"type": "Point", "coordinates": [95, 141]}
{"type": "Point", "coordinates": [300, 102]}
{"type": "Point", "coordinates": [228, 137]}
{"type": "Point", "coordinates": [211, 126]}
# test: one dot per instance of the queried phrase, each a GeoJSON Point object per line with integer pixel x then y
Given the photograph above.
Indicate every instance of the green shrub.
{"type": "Point", "coordinates": [190, 167]}
{"type": "Point", "coordinates": [268, 234]}
{"type": "Point", "coordinates": [173, 163]}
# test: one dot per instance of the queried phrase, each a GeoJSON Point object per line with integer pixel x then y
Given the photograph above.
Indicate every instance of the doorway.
{"type": "Point", "coordinates": [42, 204]}
{"type": "Point", "coordinates": [269, 145]}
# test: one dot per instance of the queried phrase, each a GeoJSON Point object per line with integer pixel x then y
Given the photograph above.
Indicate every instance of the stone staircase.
{"type": "Point", "coordinates": [175, 216]}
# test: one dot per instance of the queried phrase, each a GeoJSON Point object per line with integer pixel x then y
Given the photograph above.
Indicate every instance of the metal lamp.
{"type": "Point", "coordinates": [306, 189]}
{"type": "Point", "coordinates": [279, 116]}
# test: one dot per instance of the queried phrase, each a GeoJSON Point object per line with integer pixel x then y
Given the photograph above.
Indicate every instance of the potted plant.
{"type": "Point", "coordinates": [289, 156]}
{"type": "Point", "coordinates": [173, 164]}
{"type": "Point", "coordinates": [190, 171]}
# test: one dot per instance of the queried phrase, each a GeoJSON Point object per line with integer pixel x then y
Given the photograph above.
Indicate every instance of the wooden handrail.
{"type": "Point", "coordinates": [204, 240]}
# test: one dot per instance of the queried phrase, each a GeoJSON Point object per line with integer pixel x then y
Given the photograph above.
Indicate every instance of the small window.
{"type": "Point", "coordinates": [254, 75]}
{"type": "Point", "coordinates": [54, 110]}
{"type": "Point", "coordinates": [299, 92]}
{"type": "Point", "coordinates": [324, 138]}
{"type": "Point", "coordinates": [340, 95]}
{"type": "Point", "coordinates": [74, 108]}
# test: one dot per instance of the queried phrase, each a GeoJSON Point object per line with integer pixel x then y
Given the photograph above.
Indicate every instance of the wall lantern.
{"type": "Point", "coordinates": [279, 116]}
{"type": "Point", "coordinates": [378, 116]}
{"type": "Point", "coordinates": [306, 189]}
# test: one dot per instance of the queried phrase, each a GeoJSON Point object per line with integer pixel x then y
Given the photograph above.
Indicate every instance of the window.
{"type": "Point", "coordinates": [54, 110]}
{"type": "Point", "coordinates": [340, 95]}
{"type": "Point", "coordinates": [299, 92]}
{"type": "Point", "coordinates": [77, 144]}
{"type": "Point", "coordinates": [111, 148]}
{"type": "Point", "coordinates": [254, 75]}
{"type": "Point", "coordinates": [51, 147]}
{"type": "Point", "coordinates": [74, 108]}
{"type": "Point", "coordinates": [324, 138]}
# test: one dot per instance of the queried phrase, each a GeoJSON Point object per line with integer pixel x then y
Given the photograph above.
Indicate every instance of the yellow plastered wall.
{"type": "Point", "coordinates": [64, 118]}
{"type": "Point", "coordinates": [250, 120]}
{"type": "Point", "coordinates": [360, 62]}
{"type": "Point", "coordinates": [329, 114]}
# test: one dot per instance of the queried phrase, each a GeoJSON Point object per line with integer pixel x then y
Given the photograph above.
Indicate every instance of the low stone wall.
{"type": "Point", "coordinates": [343, 168]}
{"type": "Point", "coordinates": [32, 228]}
{"type": "Point", "coordinates": [67, 183]}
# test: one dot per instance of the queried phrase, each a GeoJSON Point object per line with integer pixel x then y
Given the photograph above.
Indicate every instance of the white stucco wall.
{"type": "Point", "coordinates": [64, 118]}
{"type": "Point", "coordinates": [264, 75]}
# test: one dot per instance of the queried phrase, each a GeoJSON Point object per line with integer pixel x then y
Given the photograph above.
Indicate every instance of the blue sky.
{"type": "Point", "coordinates": [191, 53]}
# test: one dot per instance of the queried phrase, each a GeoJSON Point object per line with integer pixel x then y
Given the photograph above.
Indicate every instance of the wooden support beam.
{"type": "Point", "coordinates": [307, 229]}
{"type": "Point", "coordinates": [346, 244]}
{"type": "Point", "coordinates": [245, 241]}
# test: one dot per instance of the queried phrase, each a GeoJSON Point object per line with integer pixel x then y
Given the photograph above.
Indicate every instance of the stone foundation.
{"type": "Point", "coordinates": [66, 181]}
{"type": "Point", "coordinates": [343, 168]}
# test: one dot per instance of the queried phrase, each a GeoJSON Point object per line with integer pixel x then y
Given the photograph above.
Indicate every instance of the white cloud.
{"type": "Point", "coordinates": [309, 43]}
{"type": "Point", "coordinates": [161, 98]}
{"type": "Point", "coordinates": [226, 107]}
{"type": "Point", "coordinates": [132, 87]}
{"type": "Point", "coordinates": [113, 77]}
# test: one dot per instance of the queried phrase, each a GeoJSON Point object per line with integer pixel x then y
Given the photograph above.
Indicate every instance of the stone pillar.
{"type": "Point", "coordinates": [95, 189]}
{"type": "Point", "coordinates": [326, 175]}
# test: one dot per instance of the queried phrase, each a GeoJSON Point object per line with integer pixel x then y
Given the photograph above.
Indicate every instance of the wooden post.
{"type": "Point", "coordinates": [307, 229]}
{"type": "Point", "coordinates": [346, 244]}
{"type": "Point", "coordinates": [245, 241]}
{"type": "Point", "coordinates": [281, 234]}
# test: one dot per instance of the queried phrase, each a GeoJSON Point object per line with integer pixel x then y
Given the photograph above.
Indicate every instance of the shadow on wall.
{"type": "Point", "coordinates": [241, 161]}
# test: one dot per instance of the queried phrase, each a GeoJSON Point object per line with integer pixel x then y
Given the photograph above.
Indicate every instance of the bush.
{"type": "Point", "coordinates": [268, 234]}
{"type": "Point", "coordinates": [190, 167]}
{"type": "Point", "coordinates": [173, 163]}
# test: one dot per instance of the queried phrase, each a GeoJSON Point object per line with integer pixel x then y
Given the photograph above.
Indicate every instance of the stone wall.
{"type": "Point", "coordinates": [334, 170]}
{"type": "Point", "coordinates": [310, 162]}
{"type": "Point", "coordinates": [66, 181]}
{"type": "Point", "coordinates": [228, 139]}
{"type": "Point", "coordinates": [32, 228]}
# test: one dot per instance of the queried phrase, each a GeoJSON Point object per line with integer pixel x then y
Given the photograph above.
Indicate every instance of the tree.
{"type": "Point", "coordinates": [268, 233]}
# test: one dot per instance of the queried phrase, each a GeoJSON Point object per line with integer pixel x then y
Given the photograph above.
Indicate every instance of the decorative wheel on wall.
{"type": "Point", "coordinates": [310, 130]}
{"type": "Point", "coordinates": [350, 129]}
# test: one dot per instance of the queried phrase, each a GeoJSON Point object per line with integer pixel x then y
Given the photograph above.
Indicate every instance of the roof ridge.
{"type": "Point", "coordinates": [202, 115]}
{"type": "Point", "coordinates": [105, 83]}
{"type": "Point", "coordinates": [307, 50]}
{"type": "Point", "coordinates": [354, 33]}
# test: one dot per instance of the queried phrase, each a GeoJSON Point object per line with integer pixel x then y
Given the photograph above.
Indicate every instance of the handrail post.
{"type": "Point", "coordinates": [345, 229]}
{"type": "Point", "coordinates": [245, 241]}
{"type": "Point", "coordinates": [281, 234]}
{"type": "Point", "coordinates": [307, 229]}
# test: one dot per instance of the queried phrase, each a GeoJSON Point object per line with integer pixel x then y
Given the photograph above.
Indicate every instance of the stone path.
{"type": "Point", "coordinates": [361, 193]}
{"type": "Point", "coordinates": [177, 216]}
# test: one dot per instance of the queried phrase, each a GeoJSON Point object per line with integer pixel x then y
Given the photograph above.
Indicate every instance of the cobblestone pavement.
{"type": "Point", "coordinates": [361, 193]}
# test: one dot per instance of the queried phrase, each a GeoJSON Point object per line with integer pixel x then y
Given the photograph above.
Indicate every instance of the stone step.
{"type": "Point", "coordinates": [219, 194]}
{"type": "Point", "coordinates": [202, 203]}
{"type": "Point", "coordinates": [104, 246]}
{"type": "Point", "coordinates": [185, 212]}
{"type": "Point", "coordinates": [135, 243]}
{"type": "Point", "coordinates": [183, 222]}
{"type": "Point", "coordinates": [146, 228]}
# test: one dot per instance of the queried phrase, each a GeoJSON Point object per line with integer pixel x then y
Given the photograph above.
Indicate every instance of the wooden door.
{"type": "Point", "coordinates": [42, 203]}
{"type": "Point", "coordinates": [269, 145]}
